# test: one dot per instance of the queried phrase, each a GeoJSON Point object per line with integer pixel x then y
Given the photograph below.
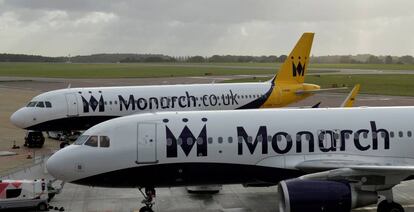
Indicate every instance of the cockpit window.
{"type": "Point", "coordinates": [40, 104]}
{"type": "Point", "coordinates": [81, 139]}
{"type": "Point", "coordinates": [92, 141]}
{"type": "Point", "coordinates": [48, 104]}
{"type": "Point", "coordinates": [104, 141]}
{"type": "Point", "coordinates": [31, 104]}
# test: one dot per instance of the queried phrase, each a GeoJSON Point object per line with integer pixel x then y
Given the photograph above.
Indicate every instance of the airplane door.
{"type": "Point", "coordinates": [146, 143]}
{"type": "Point", "coordinates": [72, 104]}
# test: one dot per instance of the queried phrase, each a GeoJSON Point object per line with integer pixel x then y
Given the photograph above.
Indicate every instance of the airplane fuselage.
{"type": "Point", "coordinates": [81, 108]}
{"type": "Point", "coordinates": [226, 147]}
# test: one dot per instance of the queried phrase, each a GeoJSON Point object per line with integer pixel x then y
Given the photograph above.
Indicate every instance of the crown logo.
{"type": "Point", "coordinates": [299, 69]}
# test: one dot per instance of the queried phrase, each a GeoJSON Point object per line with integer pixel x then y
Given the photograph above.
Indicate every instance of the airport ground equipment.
{"type": "Point", "coordinates": [34, 139]}
{"type": "Point", "coordinates": [20, 194]}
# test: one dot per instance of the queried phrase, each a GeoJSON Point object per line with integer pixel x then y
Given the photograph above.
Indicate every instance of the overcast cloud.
{"type": "Point", "coordinates": [205, 27]}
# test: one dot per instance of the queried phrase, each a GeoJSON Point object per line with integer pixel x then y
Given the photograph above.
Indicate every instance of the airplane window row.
{"type": "Point", "coordinates": [110, 102]}
{"type": "Point", "coordinates": [93, 141]}
{"type": "Point", "coordinates": [39, 104]}
{"type": "Point", "coordinates": [259, 138]}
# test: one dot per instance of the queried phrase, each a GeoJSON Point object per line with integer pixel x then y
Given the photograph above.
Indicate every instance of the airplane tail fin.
{"type": "Point", "coordinates": [295, 66]}
{"type": "Point", "coordinates": [350, 99]}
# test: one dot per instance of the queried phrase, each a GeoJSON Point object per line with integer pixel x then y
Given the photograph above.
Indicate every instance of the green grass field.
{"type": "Point", "coordinates": [370, 84]}
{"type": "Point", "coordinates": [397, 85]}
{"type": "Point", "coordinates": [122, 70]}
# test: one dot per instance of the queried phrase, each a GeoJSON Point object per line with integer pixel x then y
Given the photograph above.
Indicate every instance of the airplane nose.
{"type": "Point", "coordinates": [58, 165]}
{"type": "Point", "coordinates": [53, 166]}
{"type": "Point", "coordinates": [18, 119]}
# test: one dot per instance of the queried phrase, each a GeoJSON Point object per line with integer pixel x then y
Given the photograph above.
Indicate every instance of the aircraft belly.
{"type": "Point", "coordinates": [185, 174]}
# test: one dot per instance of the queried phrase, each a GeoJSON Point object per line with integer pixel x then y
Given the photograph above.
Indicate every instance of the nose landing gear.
{"type": "Point", "coordinates": [149, 196]}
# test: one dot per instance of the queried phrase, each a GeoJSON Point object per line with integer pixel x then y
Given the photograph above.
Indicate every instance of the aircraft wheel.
{"type": "Point", "coordinates": [146, 209]}
{"type": "Point", "coordinates": [385, 206]}
{"type": "Point", "coordinates": [395, 207]}
{"type": "Point", "coordinates": [42, 206]}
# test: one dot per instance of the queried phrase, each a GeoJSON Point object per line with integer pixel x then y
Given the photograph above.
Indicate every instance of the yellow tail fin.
{"type": "Point", "coordinates": [350, 99]}
{"type": "Point", "coordinates": [294, 68]}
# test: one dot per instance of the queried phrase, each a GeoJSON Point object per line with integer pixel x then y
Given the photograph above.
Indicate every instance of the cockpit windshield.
{"type": "Point", "coordinates": [40, 104]}
{"type": "Point", "coordinates": [92, 140]}
{"type": "Point", "coordinates": [31, 104]}
{"type": "Point", "coordinates": [81, 139]}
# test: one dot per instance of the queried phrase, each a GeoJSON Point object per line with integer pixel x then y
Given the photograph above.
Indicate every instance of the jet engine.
{"type": "Point", "coordinates": [322, 195]}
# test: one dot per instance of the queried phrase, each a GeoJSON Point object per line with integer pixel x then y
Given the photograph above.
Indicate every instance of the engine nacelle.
{"type": "Point", "coordinates": [321, 195]}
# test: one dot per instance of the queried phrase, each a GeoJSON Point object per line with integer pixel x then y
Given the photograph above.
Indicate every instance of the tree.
{"type": "Point", "coordinates": [373, 60]}
{"type": "Point", "coordinates": [196, 59]}
{"type": "Point", "coordinates": [282, 58]}
{"type": "Point", "coordinates": [407, 59]}
{"type": "Point", "coordinates": [388, 59]}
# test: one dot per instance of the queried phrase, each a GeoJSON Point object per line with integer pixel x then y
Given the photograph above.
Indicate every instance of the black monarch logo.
{"type": "Point", "coordinates": [186, 140]}
{"type": "Point", "coordinates": [298, 70]}
{"type": "Point", "coordinates": [93, 104]}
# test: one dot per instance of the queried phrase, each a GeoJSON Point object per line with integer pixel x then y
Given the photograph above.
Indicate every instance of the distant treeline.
{"type": "Point", "coordinates": [157, 58]}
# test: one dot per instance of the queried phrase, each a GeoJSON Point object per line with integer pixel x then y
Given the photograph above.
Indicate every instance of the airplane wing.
{"type": "Point", "coordinates": [370, 176]}
{"type": "Point", "coordinates": [320, 90]}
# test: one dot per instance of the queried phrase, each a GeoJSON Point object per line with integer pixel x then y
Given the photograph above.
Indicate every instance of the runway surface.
{"type": "Point", "coordinates": [232, 198]}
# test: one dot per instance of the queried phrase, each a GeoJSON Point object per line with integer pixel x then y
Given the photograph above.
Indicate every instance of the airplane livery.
{"type": "Point", "coordinates": [80, 108]}
{"type": "Point", "coordinates": [323, 159]}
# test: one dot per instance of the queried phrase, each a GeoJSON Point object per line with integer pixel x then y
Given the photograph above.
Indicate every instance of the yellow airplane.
{"type": "Point", "coordinates": [288, 84]}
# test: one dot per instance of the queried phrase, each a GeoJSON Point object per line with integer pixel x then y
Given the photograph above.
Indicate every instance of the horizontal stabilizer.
{"type": "Point", "coordinates": [350, 99]}
{"type": "Point", "coordinates": [320, 90]}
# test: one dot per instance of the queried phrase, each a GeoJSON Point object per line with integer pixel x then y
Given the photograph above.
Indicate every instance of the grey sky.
{"type": "Point", "coordinates": [205, 27]}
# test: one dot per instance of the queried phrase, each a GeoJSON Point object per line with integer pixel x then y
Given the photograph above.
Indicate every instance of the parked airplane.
{"type": "Point", "coordinates": [324, 159]}
{"type": "Point", "coordinates": [81, 108]}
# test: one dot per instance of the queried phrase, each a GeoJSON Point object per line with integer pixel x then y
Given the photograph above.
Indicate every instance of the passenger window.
{"type": "Point", "coordinates": [220, 140]}
{"type": "Point", "coordinates": [409, 134]}
{"type": "Point", "coordinates": [48, 104]}
{"type": "Point", "coordinates": [180, 141]}
{"type": "Point", "coordinates": [400, 133]}
{"type": "Point", "coordinates": [230, 139]}
{"type": "Point", "coordinates": [260, 138]}
{"type": "Point", "coordinates": [31, 104]}
{"type": "Point", "coordinates": [200, 140]}
{"type": "Point", "coordinates": [365, 135]}
{"type": "Point", "coordinates": [81, 139]}
{"type": "Point", "coordinates": [13, 193]}
{"type": "Point", "coordinates": [269, 138]}
{"type": "Point", "coordinates": [169, 142]}
{"type": "Point", "coordinates": [190, 141]}
{"type": "Point", "coordinates": [104, 141]}
{"type": "Point", "coordinates": [250, 139]}
{"type": "Point", "coordinates": [92, 141]}
{"type": "Point", "coordinates": [392, 134]}
{"type": "Point", "coordinates": [210, 140]}
{"type": "Point", "coordinates": [40, 104]}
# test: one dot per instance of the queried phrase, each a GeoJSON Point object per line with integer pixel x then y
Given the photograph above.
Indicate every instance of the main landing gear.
{"type": "Point", "coordinates": [149, 196]}
{"type": "Point", "coordinates": [388, 205]}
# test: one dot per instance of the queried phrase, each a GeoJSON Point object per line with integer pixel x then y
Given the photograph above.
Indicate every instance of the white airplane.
{"type": "Point", "coordinates": [80, 108]}
{"type": "Point", "coordinates": [323, 159]}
